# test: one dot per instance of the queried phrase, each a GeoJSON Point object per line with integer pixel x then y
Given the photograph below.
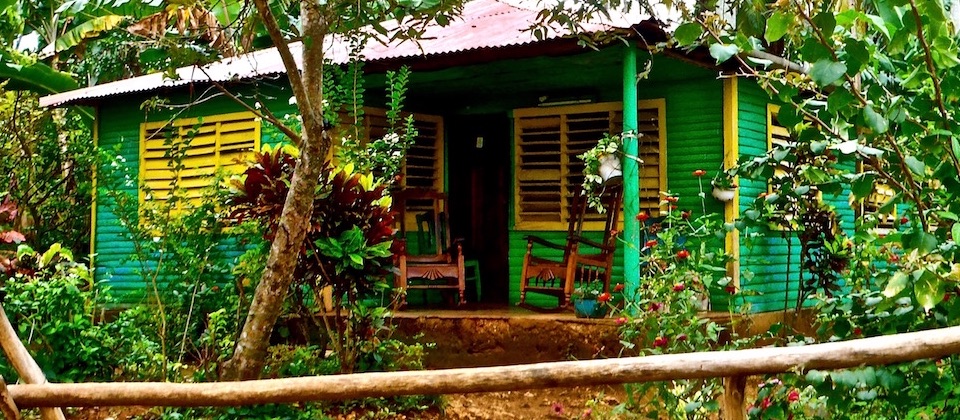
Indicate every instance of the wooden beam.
{"type": "Point", "coordinates": [868, 351]}
{"type": "Point", "coordinates": [7, 406]}
{"type": "Point", "coordinates": [24, 364]}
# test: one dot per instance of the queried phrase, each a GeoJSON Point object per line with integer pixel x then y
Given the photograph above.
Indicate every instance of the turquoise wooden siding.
{"type": "Point", "coordinates": [769, 263]}
{"type": "Point", "coordinates": [119, 131]}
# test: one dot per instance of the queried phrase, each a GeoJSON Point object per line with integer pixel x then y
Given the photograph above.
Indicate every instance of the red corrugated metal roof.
{"type": "Point", "coordinates": [484, 24]}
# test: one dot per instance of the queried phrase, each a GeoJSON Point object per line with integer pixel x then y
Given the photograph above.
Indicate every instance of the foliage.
{"type": "Point", "coordinates": [47, 159]}
{"type": "Point", "coordinates": [64, 338]}
{"type": "Point", "coordinates": [179, 246]}
{"type": "Point", "coordinates": [384, 156]}
{"type": "Point", "coordinates": [682, 265]}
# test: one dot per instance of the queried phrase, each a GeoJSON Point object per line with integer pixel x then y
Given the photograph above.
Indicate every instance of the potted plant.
{"type": "Point", "coordinates": [590, 301]}
{"type": "Point", "coordinates": [601, 166]}
{"type": "Point", "coordinates": [724, 187]}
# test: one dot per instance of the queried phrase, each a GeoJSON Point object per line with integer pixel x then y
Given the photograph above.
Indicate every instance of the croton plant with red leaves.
{"type": "Point", "coordinates": [344, 201]}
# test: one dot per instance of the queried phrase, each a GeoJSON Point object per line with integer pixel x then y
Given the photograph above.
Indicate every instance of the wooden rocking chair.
{"type": "Point", "coordinates": [583, 261]}
{"type": "Point", "coordinates": [436, 263]}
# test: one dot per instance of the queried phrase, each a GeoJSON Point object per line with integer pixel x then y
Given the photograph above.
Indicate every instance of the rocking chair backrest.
{"type": "Point", "coordinates": [612, 199]}
{"type": "Point", "coordinates": [426, 210]}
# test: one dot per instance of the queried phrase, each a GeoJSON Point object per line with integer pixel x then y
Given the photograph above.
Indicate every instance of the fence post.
{"type": "Point", "coordinates": [7, 406]}
{"type": "Point", "coordinates": [23, 363]}
{"type": "Point", "coordinates": [732, 404]}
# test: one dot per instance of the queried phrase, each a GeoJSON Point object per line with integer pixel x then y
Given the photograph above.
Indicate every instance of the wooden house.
{"type": "Point", "coordinates": [502, 117]}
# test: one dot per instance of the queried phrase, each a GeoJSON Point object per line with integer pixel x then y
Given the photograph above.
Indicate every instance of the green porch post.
{"type": "Point", "coordinates": [631, 179]}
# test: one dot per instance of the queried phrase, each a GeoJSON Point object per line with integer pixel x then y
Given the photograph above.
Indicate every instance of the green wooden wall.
{"type": "Point", "coordinates": [119, 131]}
{"type": "Point", "coordinates": [769, 263]}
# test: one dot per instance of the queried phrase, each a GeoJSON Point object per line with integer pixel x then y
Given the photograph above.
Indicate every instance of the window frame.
{"type": "Point", "coordinates": [568, 164]}
{"type": "Point", "coordinates": [184, 125]}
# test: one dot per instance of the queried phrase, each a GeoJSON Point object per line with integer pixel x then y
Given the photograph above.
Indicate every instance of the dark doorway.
{"type": "Point", "coordinates": [478, 166]}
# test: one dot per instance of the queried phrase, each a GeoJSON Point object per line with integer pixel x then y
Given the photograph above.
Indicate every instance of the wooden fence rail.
{"type": "Point", "coordinates": [732, 365]}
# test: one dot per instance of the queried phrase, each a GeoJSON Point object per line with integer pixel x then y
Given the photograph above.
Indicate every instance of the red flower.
{"type": "Point", "coordinates": [681, 338]}
{"type": "Point", "coordinates": [642, 217]}
{"type": "Point", "coordinates": [857, 331]}
{"type": "Point", "coordinates": [618, 288]}
{"type": "Point", "coordinates": [793, 396]}
{"type": "Point", "coordinates": [893, 258]}
{"type": "Point", "coordinates": [947, 296]}
{"type": "Point", "coordinates": [731, 289]}
{"type": "Point", "coordinates": [679, 287]}
{"type": "Point", "coordinates": [655, 306]}
{"type": "Point", "coordinates": [699, 172]}
{"type": "Point", "coordinates": [904, 220]}
{"type": "Point", "coordinates": [621, 321]}
{"type": "Point", "coordinates": [766, 403]}
{"type": "Point", "coordinates": [651, 243]}
{"type": "Point", "coordinates": [683, 254]}
{"type": "Point", "coordinates": [604, 297]}
{"type": "Point", "coordinates": [661, 342]}
{"type": "Point", "coordinates": [685, 215]}
{"type": "Point", "coordinates": [671, 198]}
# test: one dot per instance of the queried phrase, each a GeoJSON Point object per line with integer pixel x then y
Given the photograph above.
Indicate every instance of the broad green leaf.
{"type": "Point", "coordinates": [23, 74]}
{"type": "Point", "coordinates": [688, 33]}
{"type": "Point", "coordinates": [89, 29]}
{"type": "Point", "coordinates": [874, 120]}
{"type": "Point", "coordinates": [825, 72]}
{"type": "Point", "coordinates": [927, 292]}
{"type": "Point", "coordinates": [862, 185]}
{"type": "Point", "coordinates": [826, 22]}
{"type": "Point", "coordinates": [48, 256]}
{"type": "Point", "coordinates": [896, 284]}
{"type": "Point", "coordinates": [955, 145]}
{"type": "Point", "coordinates": [777, 25]}
{"type": "Point", "coordinates": [722, 52]}
{"type": "Point", "coordinates": [916, 165]}
{"type": "Point", "coordinates": [955, 231]}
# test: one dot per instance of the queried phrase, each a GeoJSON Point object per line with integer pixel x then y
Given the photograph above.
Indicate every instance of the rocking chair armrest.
{"type": "Point", "coordinates": [595, 244]}
{"type": "Point", "coordinates": [540, 241]}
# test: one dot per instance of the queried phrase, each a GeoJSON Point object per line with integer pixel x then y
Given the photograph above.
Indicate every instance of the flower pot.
{"type": "Point", "coordinates": [724, 194]}
{"type": "Point", "coordinates": [589, 308]}
{"type": "Point", "coordinates": [609, 167]}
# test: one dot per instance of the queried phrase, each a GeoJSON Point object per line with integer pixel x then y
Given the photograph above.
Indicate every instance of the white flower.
{"type": "Point", "coordinates": [292, 100]}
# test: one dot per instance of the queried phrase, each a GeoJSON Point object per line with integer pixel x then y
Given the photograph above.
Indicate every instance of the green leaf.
{"type": "Point", "coordinates": [896, 284]}
{"type": "Point", "coordinates": [89, 29]}
{"type": "Point", "coordinates": [874, 120]}
{"type": "Point", "coordinates": [48, 256]}
{"type": "Point", "coordinates": [24, 74]}
{"type": "Point", "coordinates": [777, 25]}
{"type": "Point", "coordinates": [955, 232]}
{"type": "Point", "coordinates": [862, 185]}
{"type": "Point", "coordinates": [688, 33]}
{"type": "Point", "coordinates": [722, 52]}
{"type": "Point", "coordinates": [927, 292]}
{"type": "Point", "coordinates": [826, 71]}
{"type": "Point", "coordinates": [916, 165]}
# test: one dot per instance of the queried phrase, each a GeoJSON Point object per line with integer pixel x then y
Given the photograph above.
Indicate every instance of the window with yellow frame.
{"type": "Point", "coordinates": [187, 153]}
{"type": "Point", "coordinates": [547, 141]}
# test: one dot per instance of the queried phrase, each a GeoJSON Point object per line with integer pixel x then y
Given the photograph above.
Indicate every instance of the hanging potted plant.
{"type": "Point", "coordinates": [724, 188]}
{"type": "Point", "coordinates": [601, 166]}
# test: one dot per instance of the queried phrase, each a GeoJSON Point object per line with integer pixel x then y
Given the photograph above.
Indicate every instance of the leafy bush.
{"type": "Point", "coordinates": [53, 303]}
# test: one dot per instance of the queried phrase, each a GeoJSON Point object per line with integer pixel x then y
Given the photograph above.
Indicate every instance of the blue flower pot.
{"type": "Point", "coordinates": [589, 308]}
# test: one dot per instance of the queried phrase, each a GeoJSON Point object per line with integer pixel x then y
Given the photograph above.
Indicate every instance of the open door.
{"type": "Point", "coordinates": [478, 168]}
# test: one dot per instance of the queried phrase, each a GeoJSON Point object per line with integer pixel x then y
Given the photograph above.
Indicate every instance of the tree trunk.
{"type": "Point", "coordinates": [250, 354]}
